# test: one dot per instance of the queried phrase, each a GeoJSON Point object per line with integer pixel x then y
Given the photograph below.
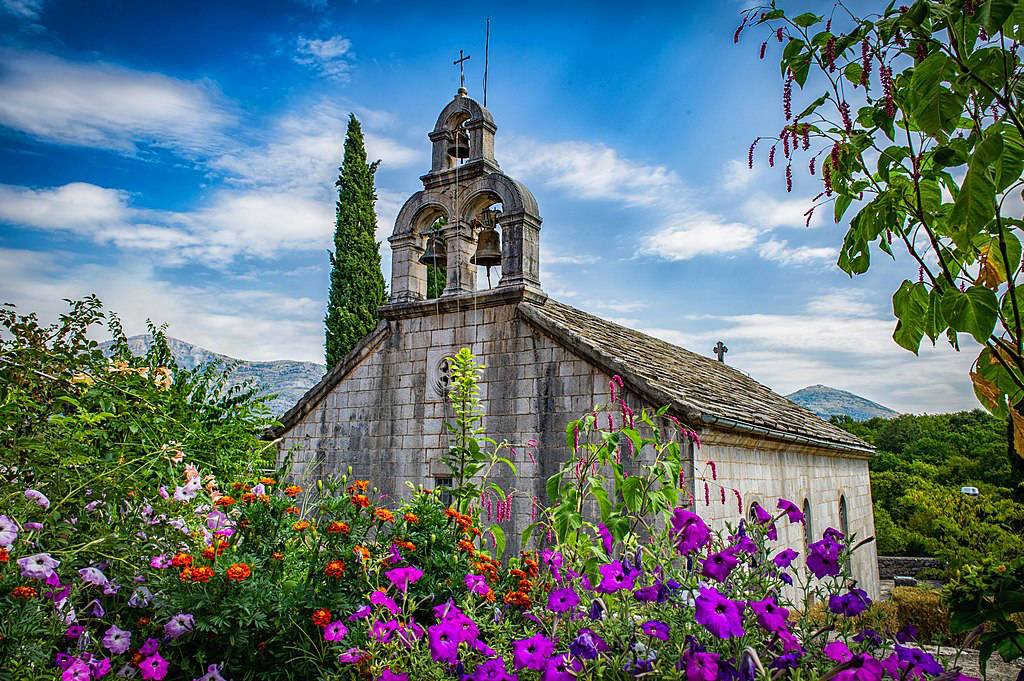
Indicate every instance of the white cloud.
{"type": "Point", "coordinates": [77, 207]}
{"type": "Point", "coordinates": [702, 235]}
{"type": "Point", "coordinates": [837, 340]}
{"type": "Point", "coordinates": [330, 57]}
{"type": "Point", "coordinates": [246, 323]}
{"type": "Point", "coordinates": [29, 10]}
{"type": "Point", "coordinates": [738, 175]}
{"type": "Point", "coordinates": [781, 252]}
{"type": "Point", "coordinates": [102, 105]}
{"type": "Point", "coordinates": [768, 212]}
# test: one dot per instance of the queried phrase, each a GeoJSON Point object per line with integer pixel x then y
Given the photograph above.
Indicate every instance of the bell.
{"type": "Point", "coordinates": [488, 248]}
{"type": "Point", "coordinates": [436, 253]}
{"type": "Point", "coordinates": [460, 148]}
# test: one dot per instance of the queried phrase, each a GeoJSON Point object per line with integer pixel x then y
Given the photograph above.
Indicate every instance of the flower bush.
{"type": "Point", "coordinates": [155, 563]}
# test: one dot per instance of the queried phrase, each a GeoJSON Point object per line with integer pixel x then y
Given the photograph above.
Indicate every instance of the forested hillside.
{"type": "Point", "coordinates": [922, 463]}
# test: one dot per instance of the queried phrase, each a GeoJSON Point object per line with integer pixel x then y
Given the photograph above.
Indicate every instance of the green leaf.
{"type": "Point", "coordinates": [1011, 160]}
{"type": "Point", "coordinates": [934, 322]}
{"type": "Point", "coordinates": [602, 501]}
{"type": "Point", "coordinates": [992, 14]}
{"type": "Point", "coordinates": [842, 203]}
{"type": "Point", "coordinates": [806, 19]}
{"type": "Point", "coordinates": [973, 311]}
{"type": "Point", "coordinates": [631, 493]}
{"type": "Point", "coordinates": [853, 72]}
{"type": "Point", "coordinates": [552, 486]}
{"type": "Point", "coordinates": [975, 204]}
{"type": "Point", "coordinates": [499, 539]}
{"type": "Point", "coordinates": [936, 108]}
{"type": "Point", "coordinates": [813, 105]}
{"type": "Point", "coordinates": [909, 304]}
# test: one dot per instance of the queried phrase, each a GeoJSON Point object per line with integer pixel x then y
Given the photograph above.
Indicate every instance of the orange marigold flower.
{"type": "Point", "coordinates": [322, 617]}
{"type": "Point", "coordinates": [517, 573]}
{"type": "Point", "coordinates": [464, 521]}
{"type": "Point", "coordinates": [410, 518]}
{"type": "Point", "coordinates": [25, 592]}
{"type": "Point", "coordinates": [142, 621]}
{"type": "Point", "coordinates": [4, 555]}
{"type": "Point", "coordinates": [490, 598]}
{"type": "Point", "coordinates": [300, 526]}
{"type": "Point", "coordinates": [362, 554]}
{"type": "Point", "coordinates": [277, 555]}
{"type": "Point", "coordinates": [248, 497]}
{"type": "Point", "coordinates": [181, 560]}
{"type": "Point", "coordinates": [385, 515]}
{"type": "Point", "coordinates": [244, 523]}
{"type": "Point", "coordinates": [407, 545]}
{"type": "Point", "coordinates": [361, 485]}
{"type": "Point", "coordinates": [292, 490]}
{"type": "Point", "coordinates": [451, 513]}
{"type": "Point", "coordinates": [525, 585]}
{"type": "Point", "coordinates": [335, 568]}
{"type": "Point", "coordinates": [239, 572]}
{"type": "Point", "coordinates": [236, 486]}
{"type": "Point", "coordinates": [224, 502]}
{"type": "Point", "coordinates": [467, 546]}
{"type": "Point", "coordinates": [475, 531]}
{"type": "Point", "coordinates": [268, 481]}
{"type": "Point", "coordinates": [209, 553]}
{"type": "Point", "coordinates": [264, 498]}
{"type": "Point", "coordinates": [294, 510]}
{"type": "Point", "coordinates": [199, 574]}
{"type": "Point", "coordinates": [186, 574]}
{"type": "Point", "coordinates": [360, 500]}
{"type": "Point", "coordinates": [338, 528]}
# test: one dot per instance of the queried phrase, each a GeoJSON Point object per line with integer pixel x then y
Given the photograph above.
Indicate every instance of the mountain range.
{"type": "Point", "coordinates": [290, 379]}
{"type": "Point", "coordinates": [825, 402]}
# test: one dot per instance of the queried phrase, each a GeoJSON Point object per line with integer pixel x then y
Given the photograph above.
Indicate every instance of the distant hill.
{"type": "Point", "coordinates": [825, 402]}
{"type": "Point", "coordinates": [288, 379]}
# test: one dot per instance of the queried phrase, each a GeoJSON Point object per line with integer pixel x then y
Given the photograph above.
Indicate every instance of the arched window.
{"type": "Point", "coordinates": [844, 520]}
{"type": "Point", "coordinates": [808, 530]}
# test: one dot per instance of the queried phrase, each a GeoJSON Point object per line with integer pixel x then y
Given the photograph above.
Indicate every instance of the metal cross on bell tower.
{"type": "Point", "coordinates": [720, 350]}
{"type": "Point", "coordinates": [462, 72]}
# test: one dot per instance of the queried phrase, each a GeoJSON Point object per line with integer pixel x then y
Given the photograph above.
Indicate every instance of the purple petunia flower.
{"type": "Point", "coordinates": [352, 655]}
{"type": "Point", "coordinates": [491, 670]}
{"type": "Point", "coordinates": [862, 668]}
{"type": "Point", "coordinates": [476, 584]}
{"type": "Point", "coordinates": [785, 558]}
{"type": "Point", "coordinates": [335, 631]}
{"type": "Point", "coordinates": [699, 666]}
{"type": "Point", "coordinates": [149, 647]}
{"type": "Point", "coordinates": [770, 616]}
{"type": "Point", "coordinates": [912, 662]}
{"type": "Point", "coordinates": [403, 577]}
{"type": "Point", "coordinates": [37, 497]}
{"type": "Point", "coordinates": [40, 566]}
{"type": "Point", "coordinates": [587, 645]}
{"type": "Point", "coordinates": [154, 667]}
{"type": "Point", "coordinates": [745, 545]}
{"type": "Point", "coordinates": [99, 667]}
{"type": "Point", "coordinates": [607, 540]}
{"type": "Point", "coordinates": [719, 615]}
{"type": "Point", "coordinates": [8, 532]}
{"type": "Point", "coordinates": [615, 576]}
{"type": "Point", "coordinates": [443, 639]}
{"type": "Point", "coordinates": [823, 558]}
{"type": "Point", "coordinates": [531, 653]}
{"type": "Point", "coordinates": [388, 675]}
{"type": "Point", "coordinates": [117, 640]}
{"type": "Point", "coordinates": [482, 648]}
{"type": "Point", "coordinates": [717, 566]}
{"type": "Point", "coordinates": [73, 631]}
{"type": "Point", "coordinates": [560, 668]}
{"type": "Point", "coordinates": [794, 514]}
{"type": "Point", "coordinates": [179, 625]}
{"type": "Point", "coordinates": [656, 629]}
{"type": "Point", "coordinates": [907, 633]}
{"type": "Point", "coordinates": [837, 651]}
{"type": "Point", "coordinates": [688, 531]}
{"type": "Point", "coordinates": [849, 604]}
{"type": "Point", "coordinates": [34, 527]}
{"type": "Point", "coordinates": [91, 575]}
{"type": "Point", "coordinates": [760, 515]}
{"type": "Point", "coordinates": [77, 671]}
{"type": "Point", "coordinates": [380, 598]}
{"type": "Point", "coordinates": [160, 562]}
{"type": "Point", "coordinates": [597, 609]}
{"type": "Point", "coordinates": [361, 613]}
{"type": "Point", "coordinates": [562, 600]}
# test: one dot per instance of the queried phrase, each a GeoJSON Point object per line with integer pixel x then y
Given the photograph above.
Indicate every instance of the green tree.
{"type": "Point", "coordinates": [357, 285]}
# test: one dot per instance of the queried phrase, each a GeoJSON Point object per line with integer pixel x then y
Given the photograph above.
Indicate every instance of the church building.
{"type": "Point", "coordinates": [381, 409]}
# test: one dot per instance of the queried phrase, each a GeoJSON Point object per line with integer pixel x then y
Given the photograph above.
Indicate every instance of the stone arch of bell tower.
{"type": "Point", "coordinates": [464, 179]}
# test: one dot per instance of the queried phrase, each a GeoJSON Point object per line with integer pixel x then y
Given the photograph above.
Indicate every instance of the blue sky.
{"type": "Point", "coordinates": [179, 161]}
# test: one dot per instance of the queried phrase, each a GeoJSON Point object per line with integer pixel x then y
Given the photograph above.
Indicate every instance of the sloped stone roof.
{"type": "Point", "coordinates": [700, 389]}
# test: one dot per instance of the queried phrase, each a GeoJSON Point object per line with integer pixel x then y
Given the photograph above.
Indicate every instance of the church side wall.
{"type": "Point", "coordinates": [764, 472]}
{"type": "Point", "coordinates": [386, 420]}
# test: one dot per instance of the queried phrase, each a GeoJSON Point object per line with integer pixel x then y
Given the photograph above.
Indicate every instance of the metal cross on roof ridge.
{"type": "Point", "coordinates": [720, 350]}
{"type": "Point", "coordinates": [462, 72]}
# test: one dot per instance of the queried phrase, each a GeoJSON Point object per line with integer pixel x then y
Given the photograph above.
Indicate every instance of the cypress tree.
{"type": "Point", "coordinates": [357, 285]}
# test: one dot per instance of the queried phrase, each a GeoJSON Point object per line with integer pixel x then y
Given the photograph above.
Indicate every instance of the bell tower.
{"type": "Point", "coordinates": [462, 186]}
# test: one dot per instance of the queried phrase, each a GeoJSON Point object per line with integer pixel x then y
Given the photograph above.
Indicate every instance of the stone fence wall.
{"type": "Point", "coordinates": [904, 566]}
